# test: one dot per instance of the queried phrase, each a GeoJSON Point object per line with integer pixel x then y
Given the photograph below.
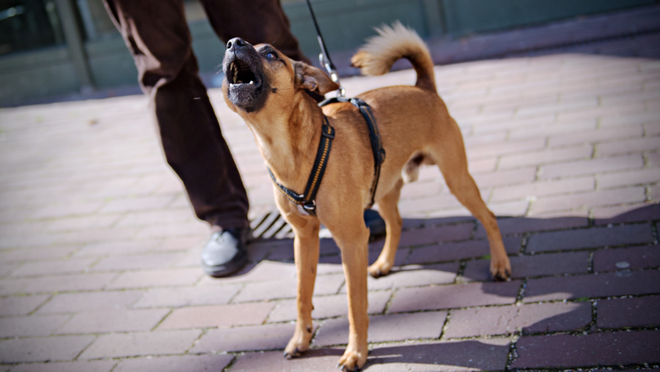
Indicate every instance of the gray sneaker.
{"type": "Point", "coordinates": [225, 252]}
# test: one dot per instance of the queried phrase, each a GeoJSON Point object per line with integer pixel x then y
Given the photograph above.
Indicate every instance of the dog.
{"type": "Point", "coordinates": [268, 90]}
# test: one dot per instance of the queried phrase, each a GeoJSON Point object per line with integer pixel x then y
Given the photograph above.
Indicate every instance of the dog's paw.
{"type": "Point", "coordinates": [500, 268]}
{"type": "Point", "coordinates": [378, 269]}
{"type": "Point", "coordinates": [353, 360]}
{"type": "Point", "coordinates": [298, 343]}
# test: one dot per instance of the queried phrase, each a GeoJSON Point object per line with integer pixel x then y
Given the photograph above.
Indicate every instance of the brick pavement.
{"type": "Point", "coordinates": [99, 248]}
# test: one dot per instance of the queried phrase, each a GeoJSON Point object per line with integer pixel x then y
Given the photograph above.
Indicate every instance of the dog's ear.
{"type": "Point", "coordinates": [313, 79]}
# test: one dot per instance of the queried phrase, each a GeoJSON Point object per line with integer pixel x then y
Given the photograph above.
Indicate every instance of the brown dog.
{"type": "Point", "coordinates": [268, 90]}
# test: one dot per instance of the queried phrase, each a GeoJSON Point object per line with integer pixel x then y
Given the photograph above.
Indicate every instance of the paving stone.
{"type": "Point", "coordinates": [20, 305]}
{"type": "Point", "coordinates": [523, 225]}
{"type": "Point", "coordinates": [116, 345]}
{"type": "Point", "coordinates": [532, 266]}
{"type": "Point", "coordinates": [600, 214]}
{"type": "Point", "coordinates": [505, 177]}
{"type": "Point", "coordinates": [593, 285]}
{"type": "Point", "coordinates": [262, 272]}
{"type": "Point", "coordinates": [435, 235]}
{"type": "Point", "coordinates": [457, 251]}
{"type": "Point", "coordinates": [88, 366]}
{"type": "Point", "coordinates": [454, 296]}
{"type": "Point", "coordinates": [328, 306]}
{"type": "Point", "coordinates": [651, 212]}
{"type": "Point", "coordinates": [263, 337]}
{"type": "Point", "coordinates": [115, 248]}
{"type": "Point", "coordinates": [543, 188]}
{"type": "Point", "coordinates": [574, 168]}
{"type": "Point", "coordinates": [312, 360]}
{"type": "Point", "coordinates": [6, 268]}
{"type": "Point", "coordinates": [431, 356]}
{"type": "Point", "coordinates": [325, 284]}
{"type": "Point", "coordinates": [374, 253]}
{"type": "Point", "coordinates": [59, 283]}
{"type": "Point", "coordinates": [37, 254]}
{"type": "Point", "coordinates": [53, 267]}
{"type": "Point", "coordinates": [196, 363]}
{"type": "Point", "coordinates": [626, 258]}
{"type": "Point", "coordinates": [137, 262]}
{"type": "Point", "coordinates": [113, 321]}
{"type": "Point", "coordinates": [413, 276]}
{"type": "Point", "coordinates": [217, 316]}
{"type": "Point", "coordinates": [89, 301]}
{"type": "Point", "coordinates": [638, 177]}
{"type": "Point", "coordinates": [629, 312]}
{"type": "Point", "coordinates": [42, 325]}
{"type": "Point", "coordinates": [156, 278]}
{"type": "Point", "coordinates": [97, 235]}
{"type": "Point", "coordinates": [553, 155]}
{"type": "Point", "coordinates": [619, 348]}
{"type": "Point", "coordinates": [590, 238]}
{"type": "Point", "coordinates": [440, 356]}
{"type": "Point", "coordinates": [136, 204]}
{"type": "Point", "coordinates": [589, 199]}
{"type": "Point", "coordinates": [385, 328]}
{"type": "Point", "coordinates": [43, 349]}
{"type": "Point", "coordinates": [598, 135]}
{"type": "Point", "coordinates": [628, 146]}
{"type": "Point", "coordinates": [185, 296]}
{"type": "Point", "coordinates": [549, 317]}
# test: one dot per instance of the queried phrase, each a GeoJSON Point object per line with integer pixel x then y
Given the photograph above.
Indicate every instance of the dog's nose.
{"type": "Point", "coordinates": [236, 43]}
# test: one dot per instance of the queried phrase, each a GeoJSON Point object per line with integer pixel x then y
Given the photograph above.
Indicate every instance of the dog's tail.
{"type": "Point", "coordinates": [393, 43]}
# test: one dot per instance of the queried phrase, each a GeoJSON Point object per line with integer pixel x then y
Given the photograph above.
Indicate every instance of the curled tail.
{"type": "Point", "coordinates": [380, 52]}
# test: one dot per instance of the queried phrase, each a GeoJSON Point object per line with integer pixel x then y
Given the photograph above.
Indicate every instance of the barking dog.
{"type": "Point", "coordinates": [268, 91]}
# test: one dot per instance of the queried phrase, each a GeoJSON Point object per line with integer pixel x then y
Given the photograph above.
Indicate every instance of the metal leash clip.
{"type": "Point", "coordinates": [324, 57]}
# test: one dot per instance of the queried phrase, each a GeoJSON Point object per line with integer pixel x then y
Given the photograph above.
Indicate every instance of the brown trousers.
{"type": "Point", "coordinates": [159, 40]}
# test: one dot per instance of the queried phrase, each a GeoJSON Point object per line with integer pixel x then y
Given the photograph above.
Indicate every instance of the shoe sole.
{"type": "Point", "coordinates": [229, 268]}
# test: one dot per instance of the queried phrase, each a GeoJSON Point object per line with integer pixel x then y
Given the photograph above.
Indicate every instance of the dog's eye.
{"type": "Point", "coordinates": [271, 55]}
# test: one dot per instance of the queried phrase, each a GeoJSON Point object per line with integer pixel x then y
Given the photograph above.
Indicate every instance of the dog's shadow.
{"type": "Point", "coordinates": [469, 265]}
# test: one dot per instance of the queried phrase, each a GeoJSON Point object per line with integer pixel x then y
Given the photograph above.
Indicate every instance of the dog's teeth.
{"type": "Point", "coordinates": [251, 82]}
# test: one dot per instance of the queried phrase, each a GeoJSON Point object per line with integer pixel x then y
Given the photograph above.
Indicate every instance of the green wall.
{"type": "Point", "coordinates": [344, 23]}
{"type": "Point", "coordinates": [468, 16]}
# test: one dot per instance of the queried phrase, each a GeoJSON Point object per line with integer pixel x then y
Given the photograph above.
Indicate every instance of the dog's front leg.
{"type": "Point", "coordinates": [353, 239]}
{"type": "Point", "coordinates": [306, 253]}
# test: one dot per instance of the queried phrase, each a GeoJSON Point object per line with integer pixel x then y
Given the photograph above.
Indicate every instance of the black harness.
{"type": "Point", "coordinates": [307, 201]}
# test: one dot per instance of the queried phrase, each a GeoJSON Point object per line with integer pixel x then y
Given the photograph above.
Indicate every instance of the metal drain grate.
{"type": "Point", "coordinates": [271, 225]}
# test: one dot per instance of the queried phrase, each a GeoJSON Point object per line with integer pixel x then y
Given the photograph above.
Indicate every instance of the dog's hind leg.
{"type": "Point", "coordinates": [306, 253]}
{"type": "Point", "coordinates": [388, 209]}
{"type": "Point", "coordinates": [449, 153]}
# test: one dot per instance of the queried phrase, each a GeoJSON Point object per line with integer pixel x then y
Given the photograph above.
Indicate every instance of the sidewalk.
{"type": "Point", "coordinates": [99, 248]}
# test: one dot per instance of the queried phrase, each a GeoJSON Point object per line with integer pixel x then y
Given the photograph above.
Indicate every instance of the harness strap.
{"type": "Point", "coordinates": [308, 200]}
{"type": "Point", "coordinates": [374, 137]}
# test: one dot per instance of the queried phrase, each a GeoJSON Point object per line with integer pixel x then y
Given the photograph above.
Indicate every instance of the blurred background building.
{"type": "Point", "coordinates": [51, 48]}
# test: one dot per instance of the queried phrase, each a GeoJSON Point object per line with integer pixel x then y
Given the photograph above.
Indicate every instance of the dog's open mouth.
{"type": "Point", "coordinates": [241, 73]}
{"type": "Point", "coordinates": [245, 85]}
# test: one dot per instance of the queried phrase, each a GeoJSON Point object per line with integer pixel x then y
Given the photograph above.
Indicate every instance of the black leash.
{"type": "Point", "coordinates": [324, 57]}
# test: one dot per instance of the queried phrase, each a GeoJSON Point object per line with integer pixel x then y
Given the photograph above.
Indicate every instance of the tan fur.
{"type": "Point", "coordinates": [415, 129]}
{"type": "Point", "coordinates": [393, 43]}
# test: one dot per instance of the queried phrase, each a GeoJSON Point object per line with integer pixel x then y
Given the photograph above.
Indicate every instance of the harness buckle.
{"type": "Point", "coordinates": [324, 132]}
{"type": "Point", "coordinates": [309, 206]}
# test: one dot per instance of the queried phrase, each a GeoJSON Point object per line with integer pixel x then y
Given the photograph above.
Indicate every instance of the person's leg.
{"type": "Point", "coordinates": [157, 36]}
{"type": "Point", "coordinates": [256, 21]}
